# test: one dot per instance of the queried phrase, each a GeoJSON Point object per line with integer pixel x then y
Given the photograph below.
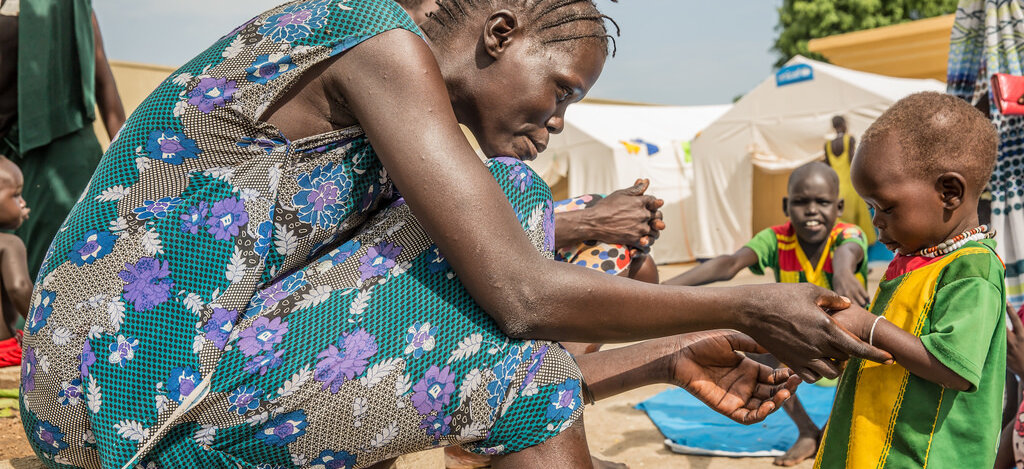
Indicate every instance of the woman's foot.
{"type": "Point", "coordinates": [458, 458]}
{"type": "Point", "coordinates": [806, 446]}
{"type": "Point", "coordinates": [602, 464]}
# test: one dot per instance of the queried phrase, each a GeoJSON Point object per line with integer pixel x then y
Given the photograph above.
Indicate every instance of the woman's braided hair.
{"type": "Point", "coordinates": [553, 21]}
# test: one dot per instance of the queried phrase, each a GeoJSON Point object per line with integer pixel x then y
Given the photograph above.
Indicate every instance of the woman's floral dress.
{"type": "Point", "coordinates": [223, 297]}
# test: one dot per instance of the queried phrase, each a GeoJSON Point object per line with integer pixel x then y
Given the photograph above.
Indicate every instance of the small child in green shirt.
{"type": "Point", "coordinates": [940, 309]}
{"type": "Point", "coordinates": [811, 248]}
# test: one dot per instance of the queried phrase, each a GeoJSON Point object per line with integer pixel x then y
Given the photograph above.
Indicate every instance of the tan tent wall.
{"type": "Point", "coordinates": [768, 191]}
{"type": "Point", "coordinates": [134, 82]}
{"type": "Point", "coordinates": [918, 49]}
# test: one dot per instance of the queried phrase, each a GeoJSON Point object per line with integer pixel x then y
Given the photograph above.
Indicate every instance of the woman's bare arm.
{"type": "Point", "coordinates": [14, 272]}
{"type": "Point", "coordinates": [107, 98]}
{"type": "Point", "coordinates": [394, 88]}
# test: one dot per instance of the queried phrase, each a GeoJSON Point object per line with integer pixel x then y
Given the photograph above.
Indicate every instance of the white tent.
{"type": "Point", "coordinates": [781, 124]}
{"type": "Point", "coordinates": [606, 147]}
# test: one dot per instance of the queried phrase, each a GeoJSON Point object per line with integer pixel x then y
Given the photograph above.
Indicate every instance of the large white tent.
{"type": "Point", "coordinates": [779, 125]}
{"type": "Point", "coordinates": [605, 147]}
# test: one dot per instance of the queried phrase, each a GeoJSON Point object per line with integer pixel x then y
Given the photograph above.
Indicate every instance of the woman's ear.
{"type": "Point", "coordinates": [840, 206]}
{"type": "Point", "coordinates": [951, 187]}
{"type": "Point", "coordinates": [499, 31]}
{"type": "Point", "coordinates": [785, 206]}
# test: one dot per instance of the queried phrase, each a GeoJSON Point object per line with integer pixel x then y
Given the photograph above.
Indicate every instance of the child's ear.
{"type": "Point", "coordinates": [785, 206]}
{"type": "Point", "coordinates": [951, 187]}
{"type": "Point", "coordinates": [840, 205]}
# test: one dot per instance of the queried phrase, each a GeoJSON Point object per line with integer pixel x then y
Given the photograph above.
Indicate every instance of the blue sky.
{"type": "Point", "coordinates": [671, 51]}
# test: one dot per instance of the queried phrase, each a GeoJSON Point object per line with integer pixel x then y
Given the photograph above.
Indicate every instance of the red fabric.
{"type": "Point", "coordinates": [902, 264]}
{"type": "Point", "coordinates": [10, 352]}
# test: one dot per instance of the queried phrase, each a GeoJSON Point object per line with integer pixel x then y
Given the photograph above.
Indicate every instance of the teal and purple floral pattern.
{"type": "Point", "coordinates": [226, 217]}
{"type": "Point", "coordinates": [146, 283]}
{"type": "Point", "coordinates": [181, 382]}
{"type": "Point", "coordinates": [171, 147]}
{"type": "Point", "coordinates": [157, 208]}
{"type": "Point", "coordinates": [334, 460]}
{"type": "Point", "coordinates": [194, 218]}
{"type": "Point", "coordinates": [565, 400]}
{"type": "Point", "coordinates": [346, 360]}
{"type": "Point", "coordinates": [245, 399]}
{"type": "Point", "coordinates": [122, 350]}
{"type": "Point", "coordinates": [40, 310]}
{"type": "Point", "coordinates": [223, 292]}
{"type": "Point", "coordinates": [420, 339]}
{"type": "Point", "coordinates": [268, 67]}
{"type": "Point", "coordinates": [48, 438]}
{"type": "Point", "coordinates": [212, 93]}
{"type": "Point", "coordinates": [283, 429]}
{"type": "Point", "coordinates": [296, 21]}
{"type": "Point", "coordinates": [94, 245]}
{"type": "Point", "coordinates": [324, 192]}
{"type": "Point", "coordinates": [218, 328]}
{"type": "Point", "coordinates": [378, 260]}
{"type": "Point", "coordinates": [270, 296]}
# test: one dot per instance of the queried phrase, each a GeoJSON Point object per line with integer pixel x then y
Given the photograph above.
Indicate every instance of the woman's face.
{"type": "Point", "coordinates": [520, 99]}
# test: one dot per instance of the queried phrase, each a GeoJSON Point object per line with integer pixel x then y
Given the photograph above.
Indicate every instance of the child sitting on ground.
{"type": "Point", "coordinates": [940, 309]}
{"type": "Point", "coordinates": [810, 248]}
{"type": "Point", "coordinates": [15, 284]}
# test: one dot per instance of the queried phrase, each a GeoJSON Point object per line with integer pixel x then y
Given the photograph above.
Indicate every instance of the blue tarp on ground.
{"type": "Point", "coordinates": [691, 427]}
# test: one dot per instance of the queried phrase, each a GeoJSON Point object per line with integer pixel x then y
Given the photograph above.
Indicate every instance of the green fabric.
{"type": "Point", "coordinates": [55, 176]}
{"type": "Point", "coordinates": [964, 327]}
{"type": "Point", "coordinates": [767, 249]}
{"type": "Point", "coordinates": [56, 70]}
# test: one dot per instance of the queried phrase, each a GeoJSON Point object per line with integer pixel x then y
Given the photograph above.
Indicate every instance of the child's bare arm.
{"type": "Point", "coordinates": [14, 272]}
{"type": "Point", "coordinates": [905, 348]}
{"type": "Point", "coordinates": [718, 269]}
{"type": "Point", "coordinates": [844, 281]}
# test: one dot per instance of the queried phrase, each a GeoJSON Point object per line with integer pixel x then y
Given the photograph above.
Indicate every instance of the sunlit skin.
{"type": "Point", "coordinates": [406, 96]}
{"type": "Point", "coordinates": [912, 212]}
{"type": "Point", "coordinates": [16, 284]}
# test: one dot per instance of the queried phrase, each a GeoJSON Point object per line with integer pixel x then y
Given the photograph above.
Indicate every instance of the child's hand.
{"type": "Point", "coordinates": [1015, 345]}
{"type": "Point", "coordinates": [856, 320]}
{"type": "Point", "coordinates": [846, 284]}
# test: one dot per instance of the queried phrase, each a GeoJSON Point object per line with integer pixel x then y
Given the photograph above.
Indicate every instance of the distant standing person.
{"type": "Point", "coordinates": [838, 155]}
{"type": "Point", "coordinates": [54, 73]}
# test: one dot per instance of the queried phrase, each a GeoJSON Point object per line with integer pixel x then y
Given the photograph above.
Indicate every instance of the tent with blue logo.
{"type": "Point", "coordinates": [742, 159]}
{"type": "Point", "coordinates": [605, 147]}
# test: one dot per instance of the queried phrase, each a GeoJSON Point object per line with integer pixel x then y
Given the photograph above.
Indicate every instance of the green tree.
{"type": "Point", "coordinates": [803, 20]}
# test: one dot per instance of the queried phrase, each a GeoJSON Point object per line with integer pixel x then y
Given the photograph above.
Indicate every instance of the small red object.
{"type": "Point", "coordinates": [1008, 93]}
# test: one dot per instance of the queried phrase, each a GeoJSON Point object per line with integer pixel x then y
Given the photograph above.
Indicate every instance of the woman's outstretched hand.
{"type": "Point", "coordinates": [711, 368]}
{"type": "Point", "coordinates": [791, 322]}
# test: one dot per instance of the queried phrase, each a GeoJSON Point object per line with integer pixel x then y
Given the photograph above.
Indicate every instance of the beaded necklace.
{"type": "Point", "coordinates": [954, 243]}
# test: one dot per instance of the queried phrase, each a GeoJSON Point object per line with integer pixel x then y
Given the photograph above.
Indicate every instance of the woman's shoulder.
{"type": "Point", "coordinates": [338, 25]}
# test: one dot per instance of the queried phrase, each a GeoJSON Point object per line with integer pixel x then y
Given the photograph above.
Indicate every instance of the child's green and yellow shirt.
{"type": "Point", "coordinates": [886, 417]}
{"type": "Point", "coordinates": [778, 248]}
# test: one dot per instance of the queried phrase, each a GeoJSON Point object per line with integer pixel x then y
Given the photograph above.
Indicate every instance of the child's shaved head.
{"type": "Point", "coordinates": [938, 133]}
{"type": "Point", "coordinates": [814, 168]}
{"type": "Point", "coordinates": [8, 170]}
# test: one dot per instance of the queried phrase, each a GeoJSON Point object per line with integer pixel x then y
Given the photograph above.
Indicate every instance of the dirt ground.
{"type": "Point", "coordinates": [616, 430]}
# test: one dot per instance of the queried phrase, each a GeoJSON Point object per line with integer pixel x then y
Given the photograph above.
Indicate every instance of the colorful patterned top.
{"type": "Point", "coordinates": [222, 296]}
{"type": "Point", "coordinates": [886, 417]}
{"type": "Point", "coordinates": [604, 257]}
{"type": "Point", "coordinates": [778, 248]}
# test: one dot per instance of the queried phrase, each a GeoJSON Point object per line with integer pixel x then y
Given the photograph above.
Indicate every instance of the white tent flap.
{"type": "Point", "coordinates": [778, 128]}
{"type": "Point", "coordinates": [607, 147]}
